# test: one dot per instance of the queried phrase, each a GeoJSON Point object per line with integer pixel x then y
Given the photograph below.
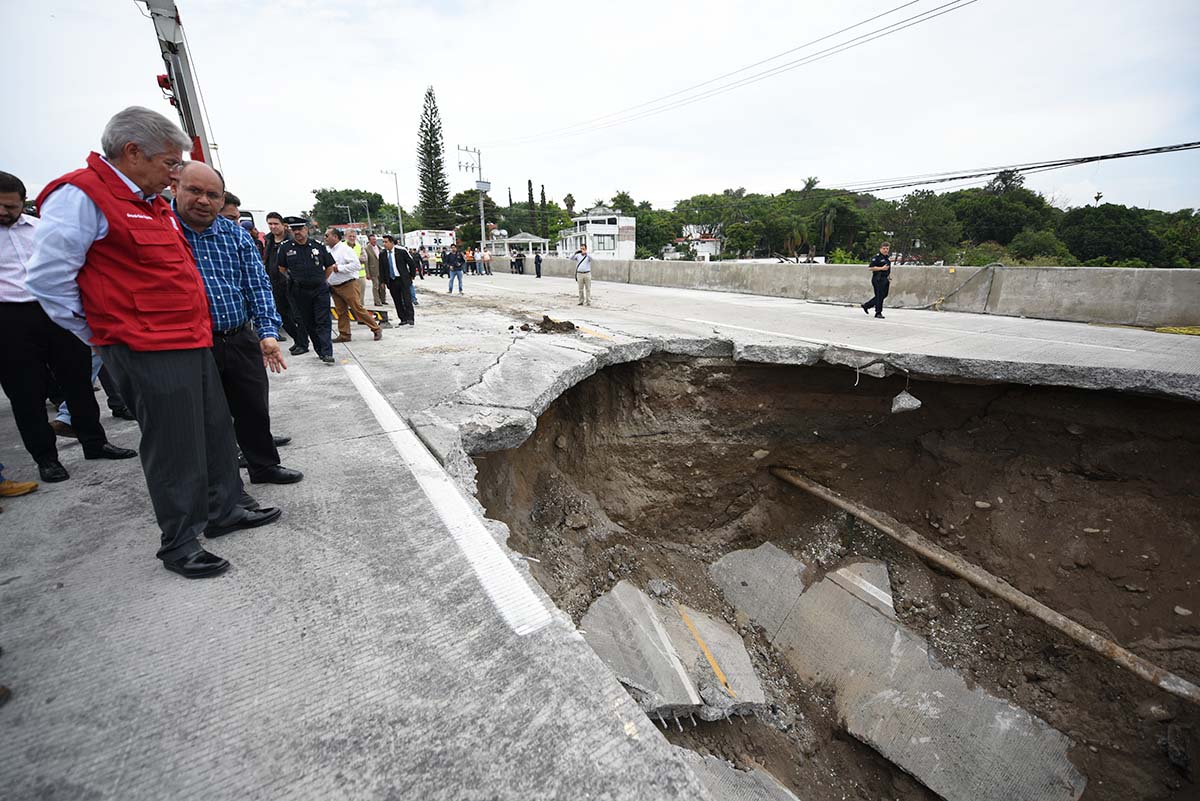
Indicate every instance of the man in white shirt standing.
{"type": "Point", "coordinates": [343, 284]}
{"type": "Point", "coordinates": [583, 274]}
{"type": "Point", "coordinates": [34, 347]}
{"type": "Point", "coordinates": [353, 243]}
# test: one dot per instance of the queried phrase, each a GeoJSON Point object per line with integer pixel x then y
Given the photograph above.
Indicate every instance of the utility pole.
{"type": "Point", "coordinates": [399, 216]}
{"type": "Point", "coordinates": [349, 217]}
{"type": "Point", "coordinates": [475, 162]}
{"type": "Point", "coordinates": [367, 206]}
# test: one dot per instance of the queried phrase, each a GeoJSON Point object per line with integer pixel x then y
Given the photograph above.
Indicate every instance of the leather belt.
{"type": "Point", "coordinates": [230, 332]}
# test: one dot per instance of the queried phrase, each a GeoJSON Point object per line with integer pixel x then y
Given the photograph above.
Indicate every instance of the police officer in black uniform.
{"type": "Point", "coordinates": [881, 279]}
{"type": "Point", "coordinates": [307, 265]}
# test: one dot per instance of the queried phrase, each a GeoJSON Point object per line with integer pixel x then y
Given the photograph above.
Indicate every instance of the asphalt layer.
{"type": "Point", "coordinates": [374, 643]}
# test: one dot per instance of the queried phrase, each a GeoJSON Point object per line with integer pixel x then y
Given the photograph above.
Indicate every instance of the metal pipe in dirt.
{"type": "Point", "coordinates": [979, 577]}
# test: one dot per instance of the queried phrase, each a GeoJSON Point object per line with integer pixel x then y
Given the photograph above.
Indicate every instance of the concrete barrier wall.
{"type": "Point", "coordinates": [1111, 295]}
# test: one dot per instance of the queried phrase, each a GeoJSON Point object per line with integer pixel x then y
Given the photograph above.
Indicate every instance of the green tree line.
{"type": "Point", "coordinates": [1002, 221]}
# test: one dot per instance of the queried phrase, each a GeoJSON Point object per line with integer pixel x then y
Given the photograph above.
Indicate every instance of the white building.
{"type": "Point", "coordinates": [607, 233]}
{"type": "Point", "coordinates": [703, 240]}
{"type": "Point", "coordinates": [432, 241]}
{"type": "Point", "coordinates": [528, 243]}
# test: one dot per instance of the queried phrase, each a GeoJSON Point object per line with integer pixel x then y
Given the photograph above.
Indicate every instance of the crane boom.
{"type": "Point", "coordinates": [179, 83]}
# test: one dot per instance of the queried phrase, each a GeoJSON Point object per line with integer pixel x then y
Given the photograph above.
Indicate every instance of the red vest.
{"type": "Point", "coordinates": [139, 284]}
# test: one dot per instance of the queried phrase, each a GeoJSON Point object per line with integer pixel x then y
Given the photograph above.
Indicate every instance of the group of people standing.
{"type": "Point", "coordinates": [173, 300]}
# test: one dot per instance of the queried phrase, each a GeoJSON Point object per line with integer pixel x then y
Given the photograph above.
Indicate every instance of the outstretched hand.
{"type": "Point", "coordinates": [272, 355]}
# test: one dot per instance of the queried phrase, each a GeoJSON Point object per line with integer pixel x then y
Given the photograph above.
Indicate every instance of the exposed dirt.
{"type": "Point", "coordinates": [1087, 501]}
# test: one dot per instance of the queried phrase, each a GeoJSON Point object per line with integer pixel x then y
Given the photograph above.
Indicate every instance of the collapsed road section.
{"type": "Point", "coordinates": [644, 486]}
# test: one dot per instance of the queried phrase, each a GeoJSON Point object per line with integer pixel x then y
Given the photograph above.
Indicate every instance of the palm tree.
{"type": "Point", "coordinates": [827, 219]}
{"type": "Point", "coordinates": [810, 183]}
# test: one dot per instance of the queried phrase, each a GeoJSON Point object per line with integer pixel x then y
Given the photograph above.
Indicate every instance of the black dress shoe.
{"type": "Point", "coordinates": [296, 350]}
{"type": "Point", "coordinates": [252, 519]}
{"type": "Point", "coordinates": [276, 475]}
{"type": "Point", "coordinates": [282, 441]}
{"type": "Point", "coordinates": [123, 413]}
{"type": "Point", "coordinates": [110, 451]}
{"type": "Point", "coordinates": [53, 471]}
{"type": "Point", "coordinates": [201, 564]}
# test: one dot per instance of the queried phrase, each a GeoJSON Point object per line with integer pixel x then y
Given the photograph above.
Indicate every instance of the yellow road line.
{"type": "Point", "coordinates": [591, 332]}
{"type": "Point", "coordinates": [704, 647]}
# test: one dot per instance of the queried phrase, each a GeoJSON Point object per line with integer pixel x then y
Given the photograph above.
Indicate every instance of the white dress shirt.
{"type": "Point", "coordinates": [347, 264]}
{"type": "Point", "coordinates": [71, 222]}
{"type": "Point", "coordinates": [16, 245]}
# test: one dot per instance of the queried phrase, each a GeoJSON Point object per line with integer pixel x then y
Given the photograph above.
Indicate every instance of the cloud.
{"type": "Point", "coordinates": [311, 93]}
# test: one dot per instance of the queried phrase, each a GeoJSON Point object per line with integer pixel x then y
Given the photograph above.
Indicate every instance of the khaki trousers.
{"type": "Point", "coordinates": [346, 297]}
{"type": "Point", "coordinates": [585, 288]}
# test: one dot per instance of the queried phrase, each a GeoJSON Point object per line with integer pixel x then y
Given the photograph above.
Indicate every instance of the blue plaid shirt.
{"type": "Point", "coordinates": [234, 277]}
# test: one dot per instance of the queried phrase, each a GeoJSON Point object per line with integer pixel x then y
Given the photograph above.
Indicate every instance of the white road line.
{"type": "Point", "coordinates": [823, 342]}
{"type": "Point", "coordinates": [518, 605]}
{"type": "Point", "coordinates": [878, 594]}
{"type": "Point", "coordinates": [958, 333]}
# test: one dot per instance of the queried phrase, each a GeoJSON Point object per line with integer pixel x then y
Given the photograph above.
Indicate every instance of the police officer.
{"type": "Point", "coordinates": [307, 265]}
{"type": "Point", "coordinates": [881, 280]}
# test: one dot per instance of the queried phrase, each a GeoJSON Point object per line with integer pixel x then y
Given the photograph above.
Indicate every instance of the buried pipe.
{"type": "Point", "coordinates": [979, 577]}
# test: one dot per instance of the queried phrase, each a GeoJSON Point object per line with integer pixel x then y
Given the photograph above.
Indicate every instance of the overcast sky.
{"type": "Point", "coordinates": [317, 93]}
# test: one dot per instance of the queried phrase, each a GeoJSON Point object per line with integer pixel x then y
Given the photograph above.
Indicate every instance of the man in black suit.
{"type": "Point", "coordinates": [397, 269]}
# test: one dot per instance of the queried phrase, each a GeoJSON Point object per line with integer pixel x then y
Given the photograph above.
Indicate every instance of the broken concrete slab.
{"type": "Point", "coordinates": [726, 783]}
{"type": "Point", "coordinates": [625, 631]}
{"type": "Point", "coordinates": [675, 661]}
{"type": "Point", "coordinates": [892, 693]}
{"type": "Point", "coordinates": [716, 661]}
{"type": "Point", "coordinates": [763, 582]}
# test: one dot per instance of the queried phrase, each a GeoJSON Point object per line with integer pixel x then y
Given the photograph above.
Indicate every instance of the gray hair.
{"type": "Point", "coordinates": [150, 131]}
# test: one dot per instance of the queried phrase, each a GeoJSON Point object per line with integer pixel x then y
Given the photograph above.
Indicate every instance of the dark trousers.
{"type": "Point", "coordinates": [239, 363]}
{"type": "Point", "coordinates": [401, 289]}
{"type": "Point", "coordinates": [115, 401]}
{"type": "Point", "coordinates": [33, 349]}
{"type": "Point", "coordinates": [310, 304]}
{"type": "Point", "coordinates": [537, 265]}
{"type": "Point", "coordinates": [284, 305]}
{"type": "Point", "coordinates": [881, 284]}
{"type": "Point", "coordinates": [188, 453]}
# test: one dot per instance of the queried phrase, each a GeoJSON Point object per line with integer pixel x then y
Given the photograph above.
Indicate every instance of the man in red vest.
{"type": "Point", "coordinates": [110, 265]}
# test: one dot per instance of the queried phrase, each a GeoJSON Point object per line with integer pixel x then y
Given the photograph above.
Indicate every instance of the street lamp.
{"type": "Point", "coordinates": [399, 216]}
{"type": "Point", "coordinates": [367, 206]}
{"type": "Point", "coordinates": [349, 218]}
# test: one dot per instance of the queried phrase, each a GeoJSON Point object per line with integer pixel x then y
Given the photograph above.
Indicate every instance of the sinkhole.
{"type": "Point", "coordinates": [649, 473]}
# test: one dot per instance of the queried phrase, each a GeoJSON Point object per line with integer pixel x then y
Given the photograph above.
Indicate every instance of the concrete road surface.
{"type": "Point", "coordinates": [379, 642]}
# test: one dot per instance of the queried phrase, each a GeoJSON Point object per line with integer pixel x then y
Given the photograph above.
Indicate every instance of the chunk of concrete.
{"type": "Point", "coordinates": [726, 783]}
{"type": "Point", "coordinates": [624, 629]}
{"type": "Point", "coordinates": [893, 694]}
{"type": "Point", "coordinates": [716, 662]}
{"type": "Point", "coordinates": [763, 582]}
{"type": "Point", "coordinates": [675, 661]}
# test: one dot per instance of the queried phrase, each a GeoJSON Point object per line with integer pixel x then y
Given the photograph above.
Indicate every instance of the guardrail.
{"type": "Point", "coordinates": [1151, 298]}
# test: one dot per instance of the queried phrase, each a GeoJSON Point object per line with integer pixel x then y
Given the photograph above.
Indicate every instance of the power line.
{"type": "Point", "coordinates": [719, 77]}
{"type": "Point", "coordinates": [1027, 168]}
{"type": "Point", "coordinates": [850, 44]}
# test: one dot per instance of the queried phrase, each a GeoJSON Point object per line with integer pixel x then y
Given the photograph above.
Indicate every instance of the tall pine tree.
{"type": "Point", "coordinates": [434, 189]}
{"type": "Point", "coordinates": [543, 223]}
{"type": "Point", "coordinates": [533, 226]}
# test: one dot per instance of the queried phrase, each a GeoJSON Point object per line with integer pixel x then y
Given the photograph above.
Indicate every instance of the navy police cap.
{"type": "Point", "coordinates": [296, 222]}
